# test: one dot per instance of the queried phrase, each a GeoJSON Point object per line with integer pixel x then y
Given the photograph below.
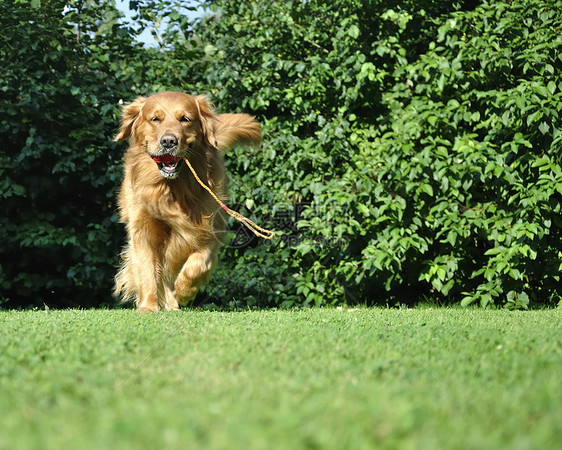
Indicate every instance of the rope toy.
{"type": "Point", "coordinates": [256, 229]}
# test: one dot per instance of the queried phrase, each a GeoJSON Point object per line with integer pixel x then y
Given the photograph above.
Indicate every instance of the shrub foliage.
{"type": "Point", "coordinates": [60, 85]}
{"type": "Point", "coordinates": [412, 150]}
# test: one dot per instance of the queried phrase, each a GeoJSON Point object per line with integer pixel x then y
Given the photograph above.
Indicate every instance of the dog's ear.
{"type": "Point", "coordinates": [129, 114]}
{"type": "Point", "coordinates": [207, 119]}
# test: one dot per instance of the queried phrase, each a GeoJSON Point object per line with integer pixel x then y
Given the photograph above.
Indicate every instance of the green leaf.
{"type": "Point", "coordinates": [353, 31]}
{"type": "Point", "coordinates": [363, 209]}
{"type": "Point", "coordinates": [544, 127]}
{"type": "Point", "coordinates": [427, 188]}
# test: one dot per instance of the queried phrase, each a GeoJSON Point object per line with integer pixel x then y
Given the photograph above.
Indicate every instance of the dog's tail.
{"type": "Point", "coordinates": [232, 129]}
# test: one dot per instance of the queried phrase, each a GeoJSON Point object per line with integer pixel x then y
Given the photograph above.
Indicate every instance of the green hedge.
{"type": "Point", "coordinates": [426, 144]}
{"type": "Point", "coordinates": [60, 84]}
{"type": "Point", "coordinates": [456, 194]}
{"type": "Point", "coordinates": [411, 149]}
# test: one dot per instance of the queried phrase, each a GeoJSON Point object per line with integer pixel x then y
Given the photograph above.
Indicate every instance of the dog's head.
{"type": "Point", "coordinates": [169, 126]}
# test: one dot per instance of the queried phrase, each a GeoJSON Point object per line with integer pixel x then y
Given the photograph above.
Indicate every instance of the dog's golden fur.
{"type": "Point", "coordinates": [173, 225]}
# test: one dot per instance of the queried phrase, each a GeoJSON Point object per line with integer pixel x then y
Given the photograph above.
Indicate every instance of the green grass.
{"type": "Point", "coordinates": [320, 378]}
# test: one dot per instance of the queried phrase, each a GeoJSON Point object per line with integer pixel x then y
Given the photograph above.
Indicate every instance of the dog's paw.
{"type": "Point", "coordinates": [147, 309]}
{"type": "Point", "coordinates": [174, 307]}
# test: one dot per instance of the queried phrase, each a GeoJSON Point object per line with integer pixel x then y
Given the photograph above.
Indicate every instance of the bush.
{"type": "Point", "coordinates": [431, 168]}
{"type": "Point", "coordinates": [63, 74]}
{"type": "Point", "coordinates": [314, 73]}
{"type": "Point", "coordinates": [456, 193]}
{"type": "Point", "coordinates": [411, 149]}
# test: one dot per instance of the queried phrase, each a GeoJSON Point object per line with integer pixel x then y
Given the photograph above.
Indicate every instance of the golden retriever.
{"type": "Point", "coordinates": [173, 225]}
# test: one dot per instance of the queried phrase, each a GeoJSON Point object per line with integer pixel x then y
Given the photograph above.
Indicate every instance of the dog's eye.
{"type": "Point", "coordinates": [185, 119]}
{"type": "Point", "coordinates": [155, 119]}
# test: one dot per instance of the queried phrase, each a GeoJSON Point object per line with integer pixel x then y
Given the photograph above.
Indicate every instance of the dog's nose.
{"type": "Point", "coordinates": [169, 140]}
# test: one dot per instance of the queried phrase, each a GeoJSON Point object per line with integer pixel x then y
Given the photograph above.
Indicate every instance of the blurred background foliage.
{"type": "Point", "coordinates": [411, 152]}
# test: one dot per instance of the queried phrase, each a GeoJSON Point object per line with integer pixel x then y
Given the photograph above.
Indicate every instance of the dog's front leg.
{"type": "Point", "coordinates": [196, 270]}
{"type": "Point", "coordinates": [146, 245]}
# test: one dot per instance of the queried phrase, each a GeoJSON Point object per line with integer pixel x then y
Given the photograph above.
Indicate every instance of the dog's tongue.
{"type": "Point", "coordinates": [166, 159]}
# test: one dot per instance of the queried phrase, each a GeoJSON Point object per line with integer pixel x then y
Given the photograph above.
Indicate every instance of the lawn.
{"type": "Point", "coordinates": [319, 378]}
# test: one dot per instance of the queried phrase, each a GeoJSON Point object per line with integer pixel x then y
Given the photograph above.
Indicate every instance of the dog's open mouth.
{"type": "Point", "coordinates": [169, 165]}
